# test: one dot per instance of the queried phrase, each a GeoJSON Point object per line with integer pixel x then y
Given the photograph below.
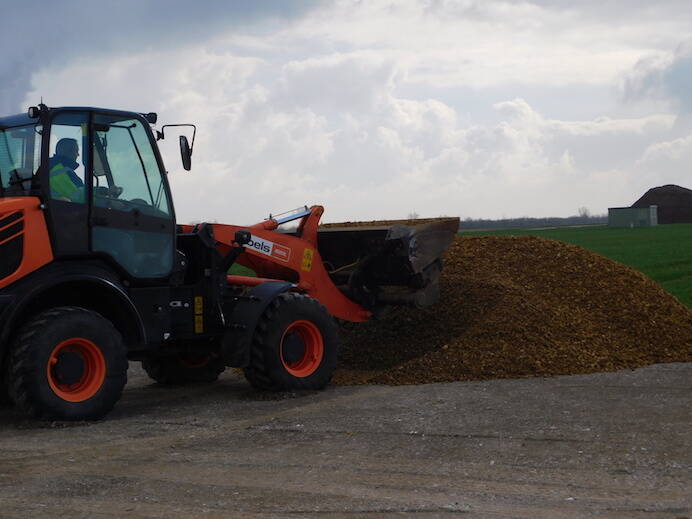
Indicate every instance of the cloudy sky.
{"type": "Point", "coordinates": [379, 109]}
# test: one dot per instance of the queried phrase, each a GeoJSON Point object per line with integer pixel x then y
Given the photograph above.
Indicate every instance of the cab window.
{"type": "Point", "coordinates": [126, 174]}
{"type": "Point", "coordinates": [20, 153]}
{"type": "Point", "coordinates": [67, 157]}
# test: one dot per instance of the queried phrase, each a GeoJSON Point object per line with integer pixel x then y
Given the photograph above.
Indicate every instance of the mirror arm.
{"type": "Point", "coordinates": [160, 135]}
{"type": "Point", "coordinates": [192, 144]}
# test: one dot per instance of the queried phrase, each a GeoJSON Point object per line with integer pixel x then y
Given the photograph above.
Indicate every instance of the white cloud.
{"type": "Point", "coordinates": [667, 161]}
{"type": "Point", "coordinates": [54, 34]}
{"type": "Point", "coordinates": [312, 111]}
{"type": "Point", "coordinates": [672, 151]}
{"type": "Point", "coordinates": [666, 76]}
{"type": "Point", "coordinates": [487, 43]}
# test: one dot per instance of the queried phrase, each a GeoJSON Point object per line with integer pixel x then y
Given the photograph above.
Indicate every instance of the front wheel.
{"type": "Point", "coordinates": [294, 346]}
{"type": "Point", "coordinates": [67, 363]}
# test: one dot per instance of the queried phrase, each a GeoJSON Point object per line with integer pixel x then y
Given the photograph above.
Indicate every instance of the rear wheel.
{"type": "Point", "coordinates": [184, 368]}
{"type": "Point", "coordinates": [295, 345]}
{"type": "Point", "coordinates": [67, 363]}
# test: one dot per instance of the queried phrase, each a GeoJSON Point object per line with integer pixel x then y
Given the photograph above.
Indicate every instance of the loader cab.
{"type": "Point", "coordinates": [105, 190]}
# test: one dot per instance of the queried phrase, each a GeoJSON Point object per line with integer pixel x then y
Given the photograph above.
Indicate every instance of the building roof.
{"type": "Point", "coordinates": [674, 203]}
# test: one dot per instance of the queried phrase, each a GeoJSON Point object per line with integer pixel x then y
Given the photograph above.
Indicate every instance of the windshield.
{"type": "Point", "coordinates": [124, 161]}
{"type": "Point", "coordinates": [20, 157]}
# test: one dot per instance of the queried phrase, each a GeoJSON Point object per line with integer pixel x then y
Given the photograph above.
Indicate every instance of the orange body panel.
{"type": "Point", "coordinates": [37, 250]}
{"type": "Point", "coordinates": [274, 255]}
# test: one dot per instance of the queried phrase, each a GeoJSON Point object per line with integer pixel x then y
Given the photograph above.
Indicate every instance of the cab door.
{"type": "Point", "coordinates": [131, 217]}
{"type": "Point", "coordinates": [68, 156]}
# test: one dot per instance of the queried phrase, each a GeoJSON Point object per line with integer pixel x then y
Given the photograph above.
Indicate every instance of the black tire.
{"type": "Point", "coordinates": [67, 363]}
{"type": "Point", "coordinates": [184, 368]}
{"type": "Point", "coordinates": [5, 398]}
{"type": "Point", "coordinates": [295, 345]}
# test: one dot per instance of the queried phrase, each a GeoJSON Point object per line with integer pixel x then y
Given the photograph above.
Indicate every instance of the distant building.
{"type": "Point", "coordinates": [674, 203]}
{"type": "Point", "coordinates": [663, 204]}
{"type": "Point", "coordinates": [632, 216]}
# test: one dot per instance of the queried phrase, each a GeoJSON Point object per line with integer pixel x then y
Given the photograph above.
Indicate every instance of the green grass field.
{"type": "Point", "coordinates": [663, 253]}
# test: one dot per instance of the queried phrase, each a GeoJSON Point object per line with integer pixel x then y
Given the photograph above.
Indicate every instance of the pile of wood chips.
{"type": "Point", "coordinates": [519, 306]}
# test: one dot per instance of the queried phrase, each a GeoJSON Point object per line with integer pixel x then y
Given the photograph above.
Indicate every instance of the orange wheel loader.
{"type": "Point", "coordinates": [95, 272]}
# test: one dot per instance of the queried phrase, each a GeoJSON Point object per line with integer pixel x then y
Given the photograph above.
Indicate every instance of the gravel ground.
{"type": "Point", "coordinates": [602, 445]}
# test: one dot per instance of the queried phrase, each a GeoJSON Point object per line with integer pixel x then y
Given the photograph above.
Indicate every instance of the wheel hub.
{"type": "Point", "coordinates": [69, 368]}
{"type": "Point", "coordinates": [293, 348]}
{"type": "Point", "coordinates": [76, 369]}
{"type": "Point", "coordinates": [302, 348]}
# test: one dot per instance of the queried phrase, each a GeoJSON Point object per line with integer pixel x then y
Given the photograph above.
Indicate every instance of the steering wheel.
{"type": "Point", "coordinates": [108, 192]}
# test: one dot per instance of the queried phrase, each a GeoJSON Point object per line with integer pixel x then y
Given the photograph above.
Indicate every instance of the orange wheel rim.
{"type": "Point", "coordinates": [305, 341]}
{"type": "Point", "coordinates": [80, 384]}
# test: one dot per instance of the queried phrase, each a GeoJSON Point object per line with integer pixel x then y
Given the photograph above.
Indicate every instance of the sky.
{"type": "Point", "coordinates": [379, 109]}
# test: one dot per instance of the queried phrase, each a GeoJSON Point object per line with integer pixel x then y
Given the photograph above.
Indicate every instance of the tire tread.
{"type": "Point", "coordinates": [19, 385]}
{"type": "Point", "coordinates": [259, 372]}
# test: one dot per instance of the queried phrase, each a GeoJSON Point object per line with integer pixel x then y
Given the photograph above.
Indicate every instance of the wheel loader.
{"type": "Point", "coordinates": [95, 272]}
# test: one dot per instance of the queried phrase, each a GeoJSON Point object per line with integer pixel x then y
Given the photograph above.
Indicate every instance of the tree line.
{"type": "Point", "coordinates": [526, 222]}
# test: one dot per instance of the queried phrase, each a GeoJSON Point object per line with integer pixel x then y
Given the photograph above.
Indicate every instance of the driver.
{"type": "Point", "coordinates": [65, 184]}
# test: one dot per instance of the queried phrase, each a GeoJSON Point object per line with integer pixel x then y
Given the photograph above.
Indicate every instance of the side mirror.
{"type": "Point", "coordinates": [185, 153]}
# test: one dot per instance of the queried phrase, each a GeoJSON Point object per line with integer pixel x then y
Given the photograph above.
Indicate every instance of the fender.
{"type": "Point", "coordinates": [235, 346]}
{"type": "Point", "coordinates": [24, 241]}
{"type": "Point", "coordinates": [66, 281]}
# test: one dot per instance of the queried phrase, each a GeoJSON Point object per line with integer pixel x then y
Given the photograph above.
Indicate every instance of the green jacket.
{"type": "Point", "coordinates": [64, 182]}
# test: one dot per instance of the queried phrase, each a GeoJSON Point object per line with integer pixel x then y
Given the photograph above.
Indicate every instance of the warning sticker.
{"type": "Point", "coordinates": [199, 317]}
{"type": "Point", "coordinates": [307, 260]}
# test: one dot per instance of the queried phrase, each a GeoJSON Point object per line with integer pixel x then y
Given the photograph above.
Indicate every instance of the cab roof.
{"type": "Point", "coordinates": [15, 120]}
{"type": "Point", "coordinates": [23, 119]}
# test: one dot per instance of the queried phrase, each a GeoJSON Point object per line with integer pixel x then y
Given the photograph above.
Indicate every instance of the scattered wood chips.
{"type": "Point", "coordinates": [520, 306]}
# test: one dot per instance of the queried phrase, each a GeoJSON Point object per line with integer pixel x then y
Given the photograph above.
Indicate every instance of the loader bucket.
{"type": "Point", "coordinates": [387, 263]}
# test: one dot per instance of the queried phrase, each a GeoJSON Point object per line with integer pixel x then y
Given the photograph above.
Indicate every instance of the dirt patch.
{"type": "Point", "coordinates": [518, 306]}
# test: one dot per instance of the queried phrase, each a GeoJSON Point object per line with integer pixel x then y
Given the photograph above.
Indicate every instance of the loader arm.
{"type": "Point", "coordinates": [354, 270]}
{"type": "Point", "coordinates": [278, 256]}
